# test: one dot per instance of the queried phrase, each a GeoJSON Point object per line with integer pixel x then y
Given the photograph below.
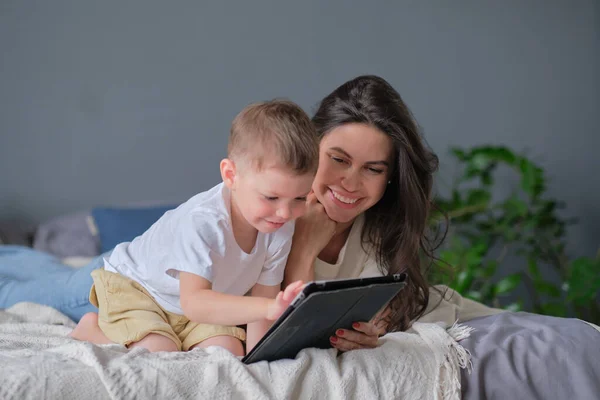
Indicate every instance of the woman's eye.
{"type": "Point", "coordinates": [337, 159]}
{"type": "Point", "coordinates": [301, 198]}
{"type": "Point", "coordinates": [375, 170]}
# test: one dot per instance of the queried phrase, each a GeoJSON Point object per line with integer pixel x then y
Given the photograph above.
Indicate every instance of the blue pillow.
{"type": "Point", "coordinates": [117, 225]}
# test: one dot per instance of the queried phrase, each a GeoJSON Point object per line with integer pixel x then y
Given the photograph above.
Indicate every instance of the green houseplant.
{"type": "Point", "coordinates": [524, 225]}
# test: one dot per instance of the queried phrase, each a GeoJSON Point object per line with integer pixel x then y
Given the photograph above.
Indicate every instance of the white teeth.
{"type": "Point", "coordinates": [343, 199]}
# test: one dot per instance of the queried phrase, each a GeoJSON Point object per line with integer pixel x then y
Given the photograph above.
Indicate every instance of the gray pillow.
{"type": "Point", "coordinates": [67, 236]}
{"type": "Point", "coordinates": [530, 356]}
{"type": "Point", "coordinates": [15, 233]}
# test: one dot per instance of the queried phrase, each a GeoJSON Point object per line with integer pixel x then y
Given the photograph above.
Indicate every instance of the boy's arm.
{"type": "Point", "coordinates": [202, 304]}
{"type": "Point", "coordinates": [256, 330]}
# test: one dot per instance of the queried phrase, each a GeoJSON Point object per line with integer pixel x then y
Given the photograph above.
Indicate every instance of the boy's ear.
{"type": "Point", "coordinates": [228, 172]}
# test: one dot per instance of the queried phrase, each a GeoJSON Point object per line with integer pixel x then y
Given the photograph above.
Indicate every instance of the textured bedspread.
{"type": "Point", "coordinates": [38, 360]}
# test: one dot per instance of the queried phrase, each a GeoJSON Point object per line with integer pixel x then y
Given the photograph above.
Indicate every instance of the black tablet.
{"type": "Point", "coordinates": [319, 310]}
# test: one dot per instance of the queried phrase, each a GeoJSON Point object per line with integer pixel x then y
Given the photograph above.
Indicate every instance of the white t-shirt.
{"type": "Point", "coordinates": [197, 237]}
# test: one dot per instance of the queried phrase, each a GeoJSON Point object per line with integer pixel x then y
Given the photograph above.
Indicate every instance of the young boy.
{"type": "Point", "coordinates": [182, 283]}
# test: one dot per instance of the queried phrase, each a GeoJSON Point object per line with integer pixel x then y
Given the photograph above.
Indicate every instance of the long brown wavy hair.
{"type": "Point", "coordinates": [396, 227]}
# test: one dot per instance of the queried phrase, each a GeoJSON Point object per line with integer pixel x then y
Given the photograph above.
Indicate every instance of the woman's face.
{"type": "Point", "coordinates": [355, 161]}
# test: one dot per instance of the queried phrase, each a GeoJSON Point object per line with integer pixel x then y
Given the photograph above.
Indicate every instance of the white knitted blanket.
{"type": "Point", "coordinates": [39, 361]}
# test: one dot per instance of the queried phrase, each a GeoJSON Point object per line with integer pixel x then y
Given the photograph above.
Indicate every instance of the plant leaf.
{"type": "Point", "coordinates": [474, 295]}
{"type": "Point", "coordinates": [514, 307]}
{"type": "Point", "coordinates": [547, 288]}
{"type": "Point", "coordinates": [515, 207]}
{"type": "Point", "coordinates": [583, 281]}
{"type": "Point", "coordinates": [478, 197]}
{"type": "Point", "coordinates": [532, 178]}
{"type": "Point", "coordinates": [508, 284]}
{"type": "Point", "coordinates": [458, 153]}
{"type": "Point", "coordinates": [555, 309]}
{"type": "Point", "coordinates": [464, 280]}
{"type": "Point", "coordinates": [533, 268]}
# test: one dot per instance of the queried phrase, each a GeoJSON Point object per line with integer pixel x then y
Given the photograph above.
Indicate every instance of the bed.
{"type": "Point", "coordinates": [507, 355]}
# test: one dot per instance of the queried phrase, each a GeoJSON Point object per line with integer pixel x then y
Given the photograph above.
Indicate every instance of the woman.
{"type": "Point", "coordinates": [372, 198]}
{"type": "Point", "coordinates": [367, 216]}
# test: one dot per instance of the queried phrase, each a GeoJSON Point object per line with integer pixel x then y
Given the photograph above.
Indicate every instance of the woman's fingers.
{"type": "Point", "coordinates": [368, 328]}
{"type": "Point", "coordinates": [347, 345]}
{"type": "Point", "coordinates": [358, 339]}
{"type": "Point", "coordinates": [364, 335]}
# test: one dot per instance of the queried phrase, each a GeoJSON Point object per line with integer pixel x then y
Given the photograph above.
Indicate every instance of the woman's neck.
{"type": "Point", "coordinates": [331, 253]}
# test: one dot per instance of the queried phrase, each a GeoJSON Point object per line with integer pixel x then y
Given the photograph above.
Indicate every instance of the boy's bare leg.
{"type": "Point", "coordinates": [230, 343]}
{"type": "Point", "coordinates": [154, 342]}
{"type": "Point", "coordinates": [88, 330]}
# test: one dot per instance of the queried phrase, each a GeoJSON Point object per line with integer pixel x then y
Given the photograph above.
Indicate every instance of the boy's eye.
{"type": "Point", "coordinates": [301, 198]}
{"type": "Point", "coordinates": [271, 198]}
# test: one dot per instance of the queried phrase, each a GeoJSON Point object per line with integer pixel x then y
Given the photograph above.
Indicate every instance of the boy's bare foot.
{"type": "Point", "coordinates": [88, 330]}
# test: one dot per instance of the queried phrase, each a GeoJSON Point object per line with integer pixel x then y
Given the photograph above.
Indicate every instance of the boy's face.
{"type": "Point", "coordinates": [269, 198]}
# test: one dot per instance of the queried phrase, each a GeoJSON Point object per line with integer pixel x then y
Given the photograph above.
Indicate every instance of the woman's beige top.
{"type": "Point", "coordinates": [354, 262]}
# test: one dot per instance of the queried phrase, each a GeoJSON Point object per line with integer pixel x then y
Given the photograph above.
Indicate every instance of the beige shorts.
{"type": "Point", "coordinates": [127, 313]}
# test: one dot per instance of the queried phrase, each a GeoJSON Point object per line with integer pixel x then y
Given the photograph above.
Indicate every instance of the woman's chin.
{"type": "Point", "coordinates": [339, 216]}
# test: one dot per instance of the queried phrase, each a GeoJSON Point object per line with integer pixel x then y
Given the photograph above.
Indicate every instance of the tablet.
{"type": "Point", "coordinates": [319, 310]}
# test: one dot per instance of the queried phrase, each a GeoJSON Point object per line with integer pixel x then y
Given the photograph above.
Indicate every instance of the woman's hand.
{"type": "Point", "coordinates": [314, 229]}
{"type": "Point", "coordinates": [365, 335]}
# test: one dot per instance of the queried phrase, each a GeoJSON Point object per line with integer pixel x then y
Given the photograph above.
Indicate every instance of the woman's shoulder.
{"type": "Point", "coordinates": [447, 305]}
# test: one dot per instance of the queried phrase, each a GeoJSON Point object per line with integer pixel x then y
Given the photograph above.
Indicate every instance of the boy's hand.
{"type": "Point", "coordinates": [278, 305]}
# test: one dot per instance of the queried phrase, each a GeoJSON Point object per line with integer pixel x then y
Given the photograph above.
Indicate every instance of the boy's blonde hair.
{"type": "Point", "coordinates": [276, 130]}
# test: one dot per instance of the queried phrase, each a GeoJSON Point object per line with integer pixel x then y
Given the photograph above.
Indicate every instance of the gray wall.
{"type": "Point", "coordinates": [117, 102]}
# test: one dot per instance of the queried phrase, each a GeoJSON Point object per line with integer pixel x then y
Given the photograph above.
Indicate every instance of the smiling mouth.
{"type": "Point", "coordinates": [343, 199]}
{"type": "Point", "coordinates": [275, 223]}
